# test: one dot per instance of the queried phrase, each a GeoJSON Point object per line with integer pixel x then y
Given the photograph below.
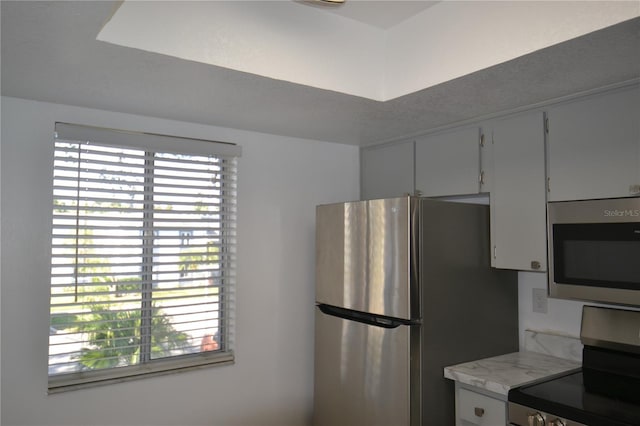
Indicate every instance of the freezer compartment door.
{"type": "Point", "coordinates": [363, 257]}
{"type": "Point", "coordinates": [363, 374]}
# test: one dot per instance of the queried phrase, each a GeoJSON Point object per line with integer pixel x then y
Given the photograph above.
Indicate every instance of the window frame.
{"type": "Point", "coordinates": [153, 144]}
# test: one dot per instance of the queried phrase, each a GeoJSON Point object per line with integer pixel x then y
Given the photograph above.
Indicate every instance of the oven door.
{"type": "Point", "coordinates": [594, 247]}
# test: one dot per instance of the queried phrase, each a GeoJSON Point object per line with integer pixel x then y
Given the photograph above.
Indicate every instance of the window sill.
{"type": "Point", "coordinates": [88, 379]}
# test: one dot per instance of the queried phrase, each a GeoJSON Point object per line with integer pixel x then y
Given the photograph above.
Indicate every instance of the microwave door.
{"type": "Point", "coordinates": [601, 255]}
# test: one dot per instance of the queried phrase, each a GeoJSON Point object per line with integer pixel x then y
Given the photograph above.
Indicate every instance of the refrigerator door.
{"type": "Point", "coordinates": [363, 257]}
{"type": "Point", "coordinates": [363, 374]}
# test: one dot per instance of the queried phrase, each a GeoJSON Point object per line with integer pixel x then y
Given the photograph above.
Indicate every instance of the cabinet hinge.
{"type": "Point", "coordinates": [481, 177]}
{"type": "Point", "coordinates": [481, 139]}
{"type": "Point", "coordinates": [548, 184]}
{"type": "Point", "coordinates": [546, 125]}
{"type": "Point", "coordinates": [495, 254]}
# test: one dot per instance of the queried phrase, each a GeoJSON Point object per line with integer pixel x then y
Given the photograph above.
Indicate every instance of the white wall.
{"type": "Point", "coordinates": [281, 181]}
{"type": "Point", "coordinates": [563, 317]}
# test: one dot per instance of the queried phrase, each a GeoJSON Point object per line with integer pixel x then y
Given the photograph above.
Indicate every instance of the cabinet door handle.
{"type": "Point", "coordinates": [478, 411]}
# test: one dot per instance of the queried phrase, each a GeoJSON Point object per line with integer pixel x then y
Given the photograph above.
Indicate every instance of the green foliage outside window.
{"type": "Point", "coordinates": [115, 338]}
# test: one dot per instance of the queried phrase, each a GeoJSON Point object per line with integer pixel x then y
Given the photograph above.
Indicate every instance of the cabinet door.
{"type": "Point", "coordinates": [518, 194]}
{"type": "Point", "coordinates": [386, 171]}
{"type": "Point", "coordinates": [448, 163]}
{"type": "Point", "coordinates": [478, 409]}
{"type": "Point", "coordinates": [594, 147]}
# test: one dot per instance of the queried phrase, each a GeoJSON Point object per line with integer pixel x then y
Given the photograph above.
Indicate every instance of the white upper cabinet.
{"type": "Point", "coordinates": [387, 171]}
{"type": "Point", "coordinates": [589, 148]}
{"type": "Point", "coordinates": [448, 163]}
{"type": "Point", "coordinates": [593, 146]}
{"type": "Point", "coordinates": [518, 203]}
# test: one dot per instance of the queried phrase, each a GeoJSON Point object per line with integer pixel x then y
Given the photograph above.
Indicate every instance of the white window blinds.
{"type": "Point", "coordinates": [143, 254]}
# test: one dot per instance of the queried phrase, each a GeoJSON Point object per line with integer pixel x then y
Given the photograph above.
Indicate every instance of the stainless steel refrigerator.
{"type": "Point", "coordinates": [404, 288]}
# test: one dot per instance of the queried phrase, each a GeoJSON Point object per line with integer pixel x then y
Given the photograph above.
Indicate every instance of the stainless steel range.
{"type": "Point", "coordinates": [605, 391]}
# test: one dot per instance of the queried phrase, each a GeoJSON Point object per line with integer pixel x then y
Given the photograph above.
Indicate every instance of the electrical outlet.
{"type": "Point", "coordinates": [540, 300]}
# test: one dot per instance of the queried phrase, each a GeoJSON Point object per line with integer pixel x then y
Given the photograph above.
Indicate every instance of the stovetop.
{"type": "Point", "coordinates": [585, 397]}
{"type": "Point", "coordinates": [605, 392]}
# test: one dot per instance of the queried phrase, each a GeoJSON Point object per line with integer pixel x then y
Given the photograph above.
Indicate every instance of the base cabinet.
{"type": "Point", "coordinates": [482, 409]}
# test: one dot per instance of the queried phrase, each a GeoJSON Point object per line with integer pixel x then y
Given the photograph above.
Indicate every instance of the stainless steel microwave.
{"type": "Point", "coordinates": [594, 250]}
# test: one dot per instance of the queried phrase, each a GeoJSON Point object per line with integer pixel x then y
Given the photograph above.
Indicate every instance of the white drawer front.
{"type": "Point", "coordinates": [480, 409]}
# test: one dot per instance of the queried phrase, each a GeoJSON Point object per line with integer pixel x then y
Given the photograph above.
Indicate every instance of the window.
{"type": "Point", "coordinates": [143, 255]}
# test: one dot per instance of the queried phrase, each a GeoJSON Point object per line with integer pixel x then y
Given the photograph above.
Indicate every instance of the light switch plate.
{"type": "Point", "coordinates": [540, 302]}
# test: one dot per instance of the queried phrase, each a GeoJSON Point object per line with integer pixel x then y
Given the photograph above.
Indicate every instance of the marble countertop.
{"type": "Point", "coordinates": [500, 373]}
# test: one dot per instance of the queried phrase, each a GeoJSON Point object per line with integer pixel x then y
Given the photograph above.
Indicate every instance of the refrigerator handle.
{"type": "Point", "coordinates": [364, 317]}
